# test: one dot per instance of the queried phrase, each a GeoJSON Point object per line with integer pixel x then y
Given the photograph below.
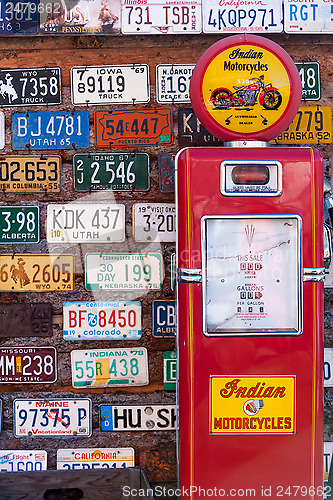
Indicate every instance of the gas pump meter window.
{"type": "Point", "coordinates": [251, 275]}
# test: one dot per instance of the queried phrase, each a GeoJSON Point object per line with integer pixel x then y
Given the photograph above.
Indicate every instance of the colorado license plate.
{"type": "Point", "coordinates": [85, 223]}
{"type": "Point", "coordinates": [19, 224]}
{"type": "Point", "coordinates": [121, 271]}
{"type": "Point", "coordinates": [138, 418]}
{"type": "Point", "coordinates": [102, 320]}
{"type": "Point", "coordinates": [110, 367]}
{"type": "Point", "coordinates": [35, 272]}
{"type": "Point", "coordinates": [30, 174]}
{"type": "Point", "coordinates": [154, 222]}
{"type": "Point", "coordinates": [53, 417]}
{"type": "Point", "coordinates": [92, 458]}
{"type": "Point", "coordinates": [22, 460]}
{"type": "Point", "coordinates": [32, 365]}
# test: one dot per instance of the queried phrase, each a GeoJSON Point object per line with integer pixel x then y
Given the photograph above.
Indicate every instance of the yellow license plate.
{"type": "Point", "coordinates": [311, 125]}
{"type": "Point", "coordinates": [30, 174]}
{"type": "Point", "coordinates": [35, 272]}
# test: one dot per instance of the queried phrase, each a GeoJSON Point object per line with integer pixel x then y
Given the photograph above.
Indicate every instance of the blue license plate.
{"type": "Point", "coordinates": [50, 130]}
{"type": "Point", "coordinates": [164, 318]}
{"type": "Point", "coordinates": [19, 17]}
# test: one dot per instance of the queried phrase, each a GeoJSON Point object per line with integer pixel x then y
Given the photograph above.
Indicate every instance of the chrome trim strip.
{"type": "Point", "coordinates": [246, 144]}
{"type": "Point", "coordinates": [314, 278]}
{"type": "Point", "coordinates": [315, 271]}
{"type": "Point", "coordinates": [189, 275]}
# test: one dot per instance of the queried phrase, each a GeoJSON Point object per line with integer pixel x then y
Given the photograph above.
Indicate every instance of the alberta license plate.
{"type": "Point", "coordinates": [32, 365]}
{"type": "Point", "coordinates": [22, 460]}
{"type": "Point", "coordinates": [110, 367]}
{"type": "Point", "coordinates": [52, 417]}
{"type": "Point", "coordinates": [154, 222]}
{"type": "Point", "coordinates": [85, 223]}
{"type": "Point", "coordinates": [138, 418]}
{"type": "Point", "coordinates": [19, 224]}
{"type": "Point", "coordinates": [94, 458]}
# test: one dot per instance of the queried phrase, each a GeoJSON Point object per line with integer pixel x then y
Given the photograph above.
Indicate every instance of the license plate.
{"type": "Point", "coordinates": [110, 367]}
{"type": "Point", "coordinates": [169, 370]}
{"type": "Point", "coordinates": [328, 367]}
{"type": "Point", "coordinates": [21, 365]}
{"type": "Point", "coordinates": [166, 172]}
{"type": "Point", "coordinates": [35, 272]}
{"type": "Point", "coordinates": [50, 130]}
{"type": "Point", "coordinates": [19, 224]}
{"type": "Point", "coordinates": [30, 87]}
{"type": "Point", "coordinates": [30, 174]}
{"type": "Point", "coordinates": [191, 132]}
{"type": "Point", "coordinates": [124, 271]}
{"type": "Point", "coordinates": [53, 417]}
{"type": "Point", "coordinates": [154, 222]}
{"type": "Point", "coordinates": [102, 320]}
{"type": "Point", "coordinates": [95, 458]}
{"type": "Point", "coordinates": [2, 130]}
{"type": "Point", "coordinates": [85, 223]}
{"type": "Point", "coordinates": [164, 318]}
{"type": "Point", "coordinates": [138, 418]}
{"type": "Point", "coordinates": [139, 128]}
{"type": "Point", "coordinates": [114, 171]}
{"type": "Point", "coordinates": [307, 18]}
{"type": "Point", "coordinates": [328, 452]}
{"type": "Point", "coordinates": [226, 17]}
{"type": "Point", "coordinates": [312, 125]}
{"type": "Point", "coordinates": [18, 18]}
{"type": "Point", "coordinates": [126, 84]}
{"type": "Point", "coordinates": [22, 460]}
{"type": "Point", "coordinates": [310, 77]}
{"type": "Point", "coordinates": [173, 82]}
{"type": "Point", "coordinates": [22, 319]}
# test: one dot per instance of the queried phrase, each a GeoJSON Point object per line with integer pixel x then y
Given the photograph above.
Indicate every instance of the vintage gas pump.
{"type": "Point", "coordinates": [250, 293]}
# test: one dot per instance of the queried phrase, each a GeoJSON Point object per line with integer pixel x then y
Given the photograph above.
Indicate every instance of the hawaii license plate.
{"type": "Point", "coordinates": [22, 460]}
{"type": "Point", "coordinates": [94, 458]}
{"type": "Point", "coordinates": [138, 418]}
{"type": "Point", "coordinates": [154, 222]}
{"type": "Point", "coordinates": [30, 174]}
{"type": "Point", "coordinates": [19, 224]}
{"type": "Point", "coordinates": [31, 365]}
{"type": "Point", "coordinates": [110, 367]}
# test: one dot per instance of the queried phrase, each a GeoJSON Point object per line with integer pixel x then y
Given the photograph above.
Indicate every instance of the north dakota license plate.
{"type": "Point", "coordinates": [31, 365]}
{"type": "Point", "coordinates": [154, 222]}
{"type": "Point", "coordinates": [95, 458]}
{"type": "Point", "coordinates": [19, 224]}
{"type": "Point", "coordinates": [30, 174]}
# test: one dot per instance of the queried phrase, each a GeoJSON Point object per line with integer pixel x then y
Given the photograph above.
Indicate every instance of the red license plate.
{"type": "Point", "coordinates": [33, 365]}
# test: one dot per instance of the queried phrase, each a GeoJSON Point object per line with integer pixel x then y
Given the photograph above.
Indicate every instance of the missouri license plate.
{"type": "Point", "coordinates": [138, 418]}
{"type": "Point", "coordinates": [22, 460]}
{"type": "Point", "coordinates": [94, 458]}
{"type": "Point", "coordinates": [52, 417]}
{"type": "Point", "coordinates": [30, 174]}
{"type": "Point", "coordinates": [154, 222]}
{"type": "Point", "coordinates": [19, 224]}
{"type": "Point", "coordinates": [31, 365]}
{"type": "Point", "coordinates": [110, 367]}
{"type": "Point", "coordinates": [85, 223]}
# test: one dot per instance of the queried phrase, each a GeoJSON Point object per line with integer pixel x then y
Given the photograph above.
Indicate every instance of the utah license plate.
{"type": "Point", "coordinates": [32, 365]}
{"type": "Point", "coordinates": [22, 460]}
{"type": "Point", "coordinates": [154, 222]}
{"type": "Point", "coordinates": [138, 418]}
{"type": "Point", "coordinates": [19, 224]}
{"type": "Point", "coordinates": [30, 174]}
{"type": "Point", "coordinates": [92, 458]}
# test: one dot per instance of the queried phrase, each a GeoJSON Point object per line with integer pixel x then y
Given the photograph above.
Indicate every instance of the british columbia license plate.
{"type": "Point", "coordinates": [30, 174]}
{"type": "Point", "coordinates": [19, 224]}
{"type": "Point", "coordinates": [22, 460]}
{"type": "Point", "coordinates": [32, 365]}
{"type": "Point", "coordinates": [110, 367]}
{"type": "Point", "coordinates": [94, 458]}
{"type": "Point", "coordinates": [138, 418]}
{"type": "Point", "coordinates": [53, 417]}
{"type": "Point", "coordinates": [154, 222]}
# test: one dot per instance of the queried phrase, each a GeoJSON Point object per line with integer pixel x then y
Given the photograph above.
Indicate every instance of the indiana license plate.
{"type": "Point", "coordinates": [31, 365]}
{"type": "Point", "coordinates": [110, 367]}
{"type": "Point", "coordinates": [30, 174]}
{"type": "Point", "coordinates": [19, 224]}
{"type": "Point", "coordinates": [94, 458]}
{"type": "Point", "coordinates": [22, 460]}
{"type": "Point", "coordinates": [138, 418]}
{"type": "Point", "coordinates": [154, 222]}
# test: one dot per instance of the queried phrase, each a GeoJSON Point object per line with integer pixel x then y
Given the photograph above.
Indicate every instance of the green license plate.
{"type": "Point", "coordinates": [19, 224]}
{"type": "Point", "coordinates": [118, 172]}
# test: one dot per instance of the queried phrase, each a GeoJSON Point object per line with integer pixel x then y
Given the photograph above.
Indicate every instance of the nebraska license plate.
{"type": "Point", "coordinates": [22, 460]}
{"type": "Point", "coordinates": [138, 418]}
{"type": "Point", "coordinates": [110, 367]}
{"type": "Point", "coordinates": [154, 222]}
{"type": "Point", "coordinates": [31, 365]}
{"type": "Point", "coordinates": [52, 417]}
{"type": "Point", "coordinates": [19, 224]}
{"type": "Point", "coordinates": [102, 320]}
{"type": "Point", "coordinates": [95, 458]}
{"type": "Point", "coordinates": [30, 174]}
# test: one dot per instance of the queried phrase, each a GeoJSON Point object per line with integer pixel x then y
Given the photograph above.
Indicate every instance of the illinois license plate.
{"type": "Point", "coordinates": [53, 417]}
{"type": "Point", "coordinates": [126, 84]}
{"type": "Point", "coordinates": [30, 174]}
{"type": "Point", "coordinates": [35, 272]}
{"type": "Point", "coordinates": [173, 82]}
{"type": "Point", "coordinates": [85, 223]}
{"type": "Point", "coordinates": [50, 130]}
{"type": "Point", "coordinates": [124, 271]}
{"type": "Point", "coordinates": [110, 367]}
{"type": "Point", "coordinates": [115, 171]}
{"type": "Point", "coordinates": [94, 458]}
{"type": "Point", "coordinates": [138, 418]}
{"type": "Point", "coordinates": [102, 320]}
{"type": "Point", "coordinates": [18, 18]}
{"type": "Point", "coordinates": [32, 365]}
{"type": "Point", "coordinates": [19, 224]}
{"type": "Point", "coordinates": [140, 128]}
{"type": "Point", "coordinates": [154, 222]}
{"type": "Point", "coordinates": [22, 460]}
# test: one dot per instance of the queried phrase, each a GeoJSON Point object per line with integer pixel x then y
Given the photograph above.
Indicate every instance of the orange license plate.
{"type": "Point", "coordinates": [30, 174]}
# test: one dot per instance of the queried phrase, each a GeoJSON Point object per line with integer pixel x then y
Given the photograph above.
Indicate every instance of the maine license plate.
{"type": "Point", "coordinates": [300, 18]}
{"type": "Point", "coordinates": [115, 171]}
{"type": "Point", "coordinates": [154, 222]}
{"type": "Point", "coordinates": [126, 84]}
{"type": "Point", "coordinates": [85, 223]}
{"type": "Point", "coordinates": [36, 272]}
{"type": "Point", "coordinates": [102, 320]}
{"type": "Point", "coordinates": [52, 417]}
{"type": "Point", "coordinates": [30, 174]}
{"type": "Point", "coordinates": [31, 365]}
{"type": "Point", "coordinates": [110, 367]}
{"type": "Point", "coordinates": [22, 460]}
{"type": "Point", "coordinates": [138, 418]}
{"type": "Point", "coordinates": [19, 224]}
{"type": "Point", "coordinates": [159, 17]}
{"type": "Point", "coordinates": [139, 128]}
{"type": "Point", "coordinates": [173, 82]}
{"type": "Point", "coordinates": [124, 271]}
{"type": "Point", "coordinates": [50, 130]}
{"type": "Point", "coordinates": [95, 458]}
{"type": "Point", "coordinates": [30, 87]}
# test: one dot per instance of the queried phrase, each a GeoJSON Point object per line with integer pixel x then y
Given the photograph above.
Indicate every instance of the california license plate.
{"type": "Point", "coordinates": [85, 223]}
{"type": "Point", "coordinates": [22, 460]}
{"type": "Point", "coordinates": [173, 82]}
{"type": "Point", "coordinates": [154, 222]}
{"type": "Point", "coordinates": [138, 418]}
{"type": "Point", "coordinates": [30, 174]}
{"type": "Point", "coordinates": [31, 365]}
{"type": "Point", "coordinates": [124, 271]}
{"type": "Point", "coordinates": [102, 320]}
{"type": "Point", "coordinates": [35, 272]}
{"type": "Point", "coordinates": [110, 367]}
{"type": "Point", "coordinates": [94, 458]}
{"type": "Point", "coordinates": [19, 224]}
{"type": "Point", "coordinates": [52, 417]}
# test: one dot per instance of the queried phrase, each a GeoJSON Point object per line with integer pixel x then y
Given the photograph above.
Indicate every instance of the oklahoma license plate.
{"type": "Point", "coordinates": [31, 365]}
{"type": "Point", "coordinates": [138, 418]}
{"type": "Point", "coordinates": [30, 174]}
{"type": "Point", "coordinates": [52, 417]}
{"type": "Point", "coordinates": [110, 367]}
{"type": "Point", "coordinates": [35, 272]}
{"type": "Point", "coordinates": [19, 224]}
{"type": "Point", "coordinates": [95, 458]}
{"type": "Point", "coordinates": [124, 271]}
{"type": "Point", "coordinates": [22, 460]}
{"type": "Point", "coordinates": [154, 222]}
{"type": "Point", "coordinates": [85, 223]}
{"type": "Point", "coordinates": [102, 320]}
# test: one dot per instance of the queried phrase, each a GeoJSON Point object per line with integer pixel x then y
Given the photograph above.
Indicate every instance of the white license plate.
{"type": "Point", "coordinates": [158, 16]}
{"type": "Point", "coordinates": [22, 460]}
{"type": "Point", "coordinates": [102, 320]}
{"type": "Point", "coordinates": [92, 458]}
{"type": "Point", "coordinates": [53, 417]}
{"type": "Point", "coordinates": [154, 222]}
{"type": "Point", "coordinates": [173, 82]}
{"type": "Point", "coordinates": [138, 418]}
{"type": "Point", "coordinates": [85, 223]}
{"type": "Point", "coordinates": [301, 17]}
{"type": "Point", "coordinates": [124, 271]}
{"type": "Point", "coordinates": [110, 367]}
{"type": "Point", "coordinates": [328, 367]}
{"type": "Point", "coordinates": [128, 84]}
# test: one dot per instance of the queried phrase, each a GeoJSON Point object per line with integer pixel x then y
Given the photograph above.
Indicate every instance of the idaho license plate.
{"type": "Point", "coordinates": [138, 418]}
{"type": "Point", "coordinates": [110, 367]}
{"type": "Point", "coordinates": [92, 458]}
{"type": "Point", "coordinates": [154, 222]}
{"type": "Point", "coordinates": [19, 224]}
{"type": "Point", "coordinates": [22, 460]}
{"type": "Point", "coordinates": [31, 365]}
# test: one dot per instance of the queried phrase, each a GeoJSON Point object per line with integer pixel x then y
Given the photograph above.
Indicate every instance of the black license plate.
{"type": "Point", "coordinates": [25, 320]}
{"type": "Point", "coordinates": [192, 132]}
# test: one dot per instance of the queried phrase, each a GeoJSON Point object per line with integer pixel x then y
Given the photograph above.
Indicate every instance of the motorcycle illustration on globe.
{"type": "Point", "coordinates": [247, 95]}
